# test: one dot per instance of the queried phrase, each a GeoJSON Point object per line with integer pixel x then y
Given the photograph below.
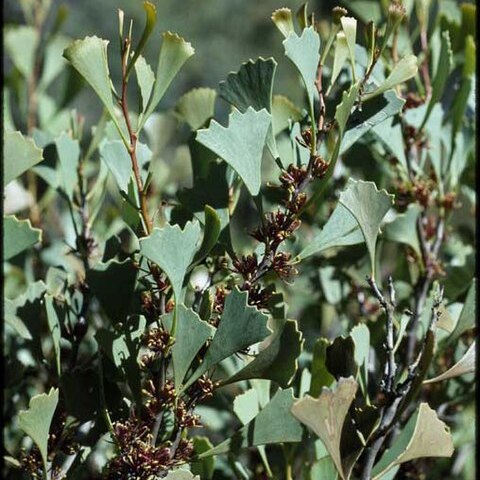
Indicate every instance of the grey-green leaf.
{"type": "Point", "coordinates": [341, 229]}
{"type": "Point", "coordinates": [89, 57]}
{"type": "Point", "coordinates": [113, 284]}
{"type": "Point", "coordinates": [404, 228]}
{"type": "Point", "coordinates": [145, 80]}
{"type": "Point", "coordinates": [35, 421]}
{"type": "Point", "coordinates": [173, 250]}
{"type": "Point", "coordinates": [423, 436]}
{"type": "Point", "coordinates": [274, 424]}
{"type": "Point", "coordinates": [278, 360]}
{"type": "Point", "coordinates": [19, 155]}
{"type": "Point", "coordinates": [326, 415]}
{"type": "Point", "coordinates": [240, 326]}
{"type": "Point", "coordinates": [18, 235]}
{"type": "Point", "coordinates": [197, 106]}
{"type": "Point", "coordinates": [118, 161]}
{"type": "Point", "coordinates": [174, 52]}
{"type": "Point", "coordinates": [68, 151]}
{"type": "Point", "coordinates": [368, 205]}
{"type": "Point", "coordinates": [304, 52]}
{"type": "Point", "coordinates": [190, 335]}
{"type": "Point", "coordinates": [53, 312]}
{"type": "Point", "coordinates": [240, 144]}
{"type": "Point", "coordinates": [252, 86]}
{"type": "Point", "coordinates": [21, 44]}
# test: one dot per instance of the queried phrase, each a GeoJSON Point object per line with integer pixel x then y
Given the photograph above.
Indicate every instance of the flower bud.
{"type": "Point", "coordinates": [337, 14]}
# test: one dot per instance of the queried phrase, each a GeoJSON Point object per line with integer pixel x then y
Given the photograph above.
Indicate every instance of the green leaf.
{"type": "Point", "coordinates": [340, 56]}
{"type": "Point", "coordinates": [274, 424]}
{"type": "Point", "coordinates": [404, 70]}
{"type": "Point", "coordinates": [467, 318]}
{"type": "Point", "coordinates": [404, 228]}
{"type": "Point", "coordinates": [210, 234]}
{"type": "Point", "coordinates": [68, 151]}
{"type": "Point", "coordinates": [35, 421]}
{"type": "Point", "coordinates": [89, 57]}
{"type": "Point", "coordinates": [204, 468]}
{"type": "Point", "coordinates": [197, 106]}
{"type": "Point", "coordinates": [118, 161]}
{"type": "Point", "coordinates": [18, 235]}
{"type": "Point", "coordinates": [240, 144]}
{"type": "Point", "coordinates": [173, 250]}
{"type": "Point", "coordinates": [349, 26]}
{"type": "Point", "coordinates": [240, 326]}
{"type": "Point", "coordinates": [277, 360]}
{"type": "Point", "coordinates": [361, 338]}
{"type": "Point", "coordinates": [113, 284]}
{"type": "Point", "coordinates": [122, 347]}
{"type": "Point", "coordinates": [284, 111]}
{"type": "Point", "coordinates": [341, 230]}
{"type": "Point", "coordinates": [174, 52]}
{"type": "Point", "coordinates": [465, 365]}
{"type": "Point", "coordinates": [443, 70]}
{"type": "Point", "coordinates": [373, 113]}
{"type": "Point", "coordinates": [181, 474]}
{"type": "Point", "coordinates": [19, 155]}
{"type": "Point", "coordinates": [368, 205]}
{"type": "Point", "coordinates": [53, 319]}
{"type": "Point", "coordinates": [145, 80]}
{"type": "Point", "coordinates": [190, 335]}
{"type": "Point", "coordinates": [21, 45]}
{"type": "Point", "coordinates": [324, 469]}
{"type": "Point", "coordinates": [252, 86]}
{"type": "Point", "coordinates": [150, 20]}
{"type": "Point", "coordinates": [326, 415]}
{"type": "Point", "coordinates": [282, 18]}
{"type": "Point", "coordinates": [14, 321]}
{"type": "Point", "coordinates": [321, 377]}
{"type": "Point", "coordinates": [423, 436]}
{"type": "Point", "coordinates": [53, 63]}
{"type": "Point", "coordinates": [304, 52]}
{"type": "Point", "coordinates": [389, 133]}
{"type": "Point", "coordinates": [246, 406]}
{"type": "Point", "coordinates": [340, 358]}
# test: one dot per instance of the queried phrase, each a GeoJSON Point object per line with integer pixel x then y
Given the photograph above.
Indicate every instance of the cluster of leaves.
{"type": "Point", "coordinates": [149, 327]}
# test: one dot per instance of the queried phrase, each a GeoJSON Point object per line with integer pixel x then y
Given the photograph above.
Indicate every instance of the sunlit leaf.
{"type": "Point", "coordinates": [197, 106]}
{"type": "Point", "coordinates": [35, 421]}
{"type": "Point", "coordinates": [173, 250]}
{"type": "Point", "coordinates": [240, 326]}
{"type": "Point", "coordinates": [277, 360]}
{"type": "Point", "coordinates": [19, 155]}
{"type": "Point", "coordinates": [174, 52]}
{"type": "Point", "coordinates": [304, 52]}
{"type": "Point", "coordinates": [274, 424]}
{"type": "Point", "coordinates": [326, 415]}
{"type": "Point", "coordinates": [240, 144]}
{"type": "Point", "coordinates": [423, 436]}
{"type": "Point", "coordinates": [282, 18]}
{"type": "Point", "coordinates": [368, 205]}
{"type": "Point", "coordinates": [190, 335]}
{"type": "Point", "coordinates": [18, 235]}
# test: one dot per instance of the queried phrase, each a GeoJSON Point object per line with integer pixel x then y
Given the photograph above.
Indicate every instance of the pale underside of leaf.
{"type": "Point", "coordinates": [173, 249]}
{"type": "Point", "coordinates": [423, 436]}
{"type": "Point", "coordinates": [465, 365]}
{"type": "Point", "coordinates": [326, 415]}
{"type": "Point", "coordinates": [240, 144]}
{"type": "Point", "coordinates": [368, 205]}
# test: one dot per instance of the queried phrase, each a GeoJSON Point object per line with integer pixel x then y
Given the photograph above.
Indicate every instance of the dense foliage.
{"type": "Point", "coordinates": [287, 293]}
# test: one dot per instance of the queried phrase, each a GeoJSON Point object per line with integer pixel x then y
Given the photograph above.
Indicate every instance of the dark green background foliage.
{"type": "Point", "coordinates": [254, 261]}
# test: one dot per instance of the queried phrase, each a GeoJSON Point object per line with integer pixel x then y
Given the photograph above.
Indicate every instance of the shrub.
{"type": "Point", "coordinates": [288, 294]}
